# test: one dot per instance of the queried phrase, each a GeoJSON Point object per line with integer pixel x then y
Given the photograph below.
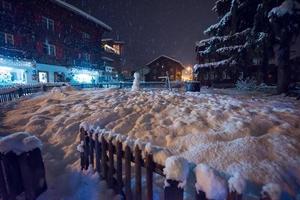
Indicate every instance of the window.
{"type": "Point", "coordinates": [48, 23]}
{"type": "Point", "coordinates": [43, 77]}
{"type": "Point", "coordinates": [117, 49]}
{"type": "Point", "coordinates": [6, 5]}
{"type": "Point", "coordinates": [49, 49]}
{"type": "Point", "coordinates": [85, 35]}
{"type": "Point", "coordinates": [6, 38]}
{"type": "Point", "coordinates": [86, 56]}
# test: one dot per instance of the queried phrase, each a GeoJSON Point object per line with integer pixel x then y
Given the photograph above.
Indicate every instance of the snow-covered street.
{"type": "Point", "coordinates": [254, 134]}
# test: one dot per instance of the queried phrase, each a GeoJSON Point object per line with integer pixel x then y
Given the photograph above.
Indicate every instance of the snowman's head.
{"type": "Point", "coordinates": [136, 75]}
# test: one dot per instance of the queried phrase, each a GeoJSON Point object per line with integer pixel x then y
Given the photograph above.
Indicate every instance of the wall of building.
{"type": "Point", "coordinates": [25, 21]}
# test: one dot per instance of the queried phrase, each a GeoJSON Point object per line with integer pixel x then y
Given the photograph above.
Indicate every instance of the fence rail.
{"type": "Point", "coordinates": [111, 157]}
{"type": "Point", "coordinates": [17, 91]}
{"type": "Point", "coordinates": [14, 92]}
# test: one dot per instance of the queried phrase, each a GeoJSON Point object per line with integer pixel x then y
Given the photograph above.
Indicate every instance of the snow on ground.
{"type": "Point", "coordinates": [250, 134]}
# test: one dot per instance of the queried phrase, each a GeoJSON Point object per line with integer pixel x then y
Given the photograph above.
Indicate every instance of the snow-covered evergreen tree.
{"type": "Point", "coordinates": [285, 21]}
{"type": "Point", "coordinates": [249, 29]}
{"type": "Point", "coordinates": [228, 42]}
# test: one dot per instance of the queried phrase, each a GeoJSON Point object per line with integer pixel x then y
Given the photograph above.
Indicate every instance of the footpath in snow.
{"type": "Point", "coordinates": [254, 135]}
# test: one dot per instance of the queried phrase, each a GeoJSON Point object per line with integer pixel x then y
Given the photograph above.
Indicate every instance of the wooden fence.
{"type": "Point", "coordinates": [13, 93]}
{"type": "Point", "coordinates": [110, 159]}
{"type": "Point", "coordinates": [17, 91]}
{"type": "Point", "coordinates": [23, 173]}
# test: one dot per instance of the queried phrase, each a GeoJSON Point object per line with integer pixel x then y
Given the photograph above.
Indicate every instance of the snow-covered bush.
{"type": "Point", "coordinates": [247, 84]}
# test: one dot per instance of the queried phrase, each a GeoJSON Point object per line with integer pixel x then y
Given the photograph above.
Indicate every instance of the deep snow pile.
{"type": "Point", "coordinates": [257, 137]}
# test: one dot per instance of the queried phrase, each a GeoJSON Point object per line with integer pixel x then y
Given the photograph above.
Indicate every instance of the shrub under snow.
{"type": "Point", "coordinates": [247, 84]}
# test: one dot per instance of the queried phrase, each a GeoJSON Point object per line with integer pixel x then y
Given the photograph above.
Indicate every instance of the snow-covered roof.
{"type": "Point", "coordinates": [82, 13]}
{"type": "Point", "coordinates": [167, 57]}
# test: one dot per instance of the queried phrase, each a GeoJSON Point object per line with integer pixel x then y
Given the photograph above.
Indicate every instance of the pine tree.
{"type": "Point", "coordinates": [249, 29]}
{"type": "Point", "coordinates": [229, 41]}
{"type": "Point", "coordinates": [285, 21]}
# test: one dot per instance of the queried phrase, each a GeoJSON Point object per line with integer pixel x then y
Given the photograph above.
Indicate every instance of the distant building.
{"type": "Point", "coordinates": [49, 41]}
{"type": "Point", "coordinates": [113, 59]}
{"type": "Point", "coordinates": [162, 66]}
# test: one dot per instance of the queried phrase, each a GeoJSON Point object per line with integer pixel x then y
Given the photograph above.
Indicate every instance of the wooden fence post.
{"type": "Point", "coordinates": [92, 145]}
{"type": "Point", "coordinates": [234, 196]}
{"type": "Point", "coordinates": [104, 157]}
{"type": "Point", "coordinates": [98, 154]}
{"type": "Point", "coordinates": [20, 92]}
{"type": "Point", "coordinates": [111, 163]}
{"type": "Point", "coordinates": [265, 197]}
{"type": "Point", "coordinates": [82, 158]}
{"type": "Point", "coordinates": [149, 176]}
{"type": "Point", "coordinates": [172, 191]}
{"type": "Point", "coordinates": [3, 189]}
{"type": "Point", "coordinates": [200, 195]}
{"type": "Point", "coordinates": [128, 172]}
{"type": "Point", "coordinates": [119, 167]}
{"type": "Point", "coordinates": [27, 177]}
{"type": "Point", "coordinates": [138, 172]}
{"type": "Point", "coordinates": [86, 148]}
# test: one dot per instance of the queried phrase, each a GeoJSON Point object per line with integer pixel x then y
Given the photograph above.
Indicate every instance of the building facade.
{"type": "Point", "coordinates": [49, 41]}
{"type": "Point", "coordinates": [113, 61]}
{"type": "Point", "coordinates": [164, 66]}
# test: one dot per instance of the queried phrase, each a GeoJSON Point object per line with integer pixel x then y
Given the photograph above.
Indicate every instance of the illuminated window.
{"type": "Point", "coordinates": [49, 49]}
{"type": "Point", "coordinates": [48, 23]}
{"type": "Point", "coordinates": [10, 75]}
{"type": "Point", "coordinates": [117, 49]}
{"type": "Point", "coordinates": [6, 38]}
{"type": "Point", "coordinates": [6, 5]}
{"type": "Point", "coordinates": [43, 77]}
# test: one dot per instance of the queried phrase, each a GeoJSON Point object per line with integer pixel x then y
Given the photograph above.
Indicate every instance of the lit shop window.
{"type": "Point", "coordinates": [84, 76]}
{"type": "Point", "coordinates": [43, 77]}
{"type": "Point", "coordinates": [9, 75]}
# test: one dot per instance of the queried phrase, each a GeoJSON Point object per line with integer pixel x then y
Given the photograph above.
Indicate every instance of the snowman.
{"type": "Point", "coordinates": [136, 82]}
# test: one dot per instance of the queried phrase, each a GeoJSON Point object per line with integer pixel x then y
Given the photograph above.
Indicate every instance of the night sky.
{"type": "Point", "coordinates": [153, 27]}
